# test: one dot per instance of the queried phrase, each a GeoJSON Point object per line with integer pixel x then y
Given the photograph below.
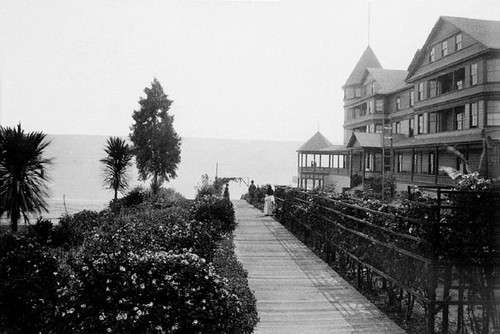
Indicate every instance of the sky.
{"type": "Point", "coordinates": [265, 70]}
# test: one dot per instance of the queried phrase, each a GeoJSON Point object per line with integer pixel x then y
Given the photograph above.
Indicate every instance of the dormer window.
{"type": "Point", "coordinates": [432, 54]}
{"type": "Point", "coordinates": [458, 42]}
{"type": "Point", "coordinates": [444, 49]}
{"type": "Point", "coordinates": [357, 92]}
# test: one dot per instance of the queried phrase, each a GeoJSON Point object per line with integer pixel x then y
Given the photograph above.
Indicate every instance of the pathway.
{"type": "Point", "coordinates": [296, 291]}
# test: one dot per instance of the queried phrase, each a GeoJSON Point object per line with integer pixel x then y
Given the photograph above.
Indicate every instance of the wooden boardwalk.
{"type": "Point", "coordinates": [296, 291]}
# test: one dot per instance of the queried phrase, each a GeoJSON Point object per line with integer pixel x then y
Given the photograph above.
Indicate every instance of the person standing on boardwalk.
{"type": "Point", "coordinates": [269, 201]}
{"type": "Point", "coordinates": [251, 192]}
{"type": "Point", "coordinates": [226, 191]}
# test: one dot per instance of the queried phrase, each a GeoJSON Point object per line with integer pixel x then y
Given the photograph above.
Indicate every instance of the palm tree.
{"type": "Point", "coordinates": [23, 174]}
{"type": "Point", "coordinates": [116, 164]}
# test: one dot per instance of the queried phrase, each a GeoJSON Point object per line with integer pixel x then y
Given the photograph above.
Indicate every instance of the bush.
{"type": "Point", "coordinates": [146, 292]}
{"type": "Point", "coordinates": [216, 210]}
{"type": "Point", "coordinates": [71, 230]}
{"type": "Point", "coordinates": [43, 230]}
{"type": "Point", "coordinates": [135, 274]}
{"type": "Point", "coordinates": [133, 198]}
{"type": "Point", "coordinates": [148, 271]}
{"type": "Point", "coordinates": [227, 265]}
{"type": "Point", "coordinates": [27, 284]}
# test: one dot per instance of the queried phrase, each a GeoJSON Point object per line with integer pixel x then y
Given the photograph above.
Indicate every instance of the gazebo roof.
{"type": "Point", "coordinates": [316, 143]}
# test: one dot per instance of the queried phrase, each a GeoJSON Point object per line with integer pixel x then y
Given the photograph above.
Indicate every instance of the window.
{"type": "Point", "coordinates": [379, 105]}
{"type": "Point", "coordinates": [432, 85]}
{"type": "Point", "coordinates": [357, 92]}
{"type": "Point", "coordinates": [415, 163]}
{"type": "Point", "coordinates": [399, 163]}
{"type": "Point", "coordinates": [432, 163]}
{"type": "Point", "coordinates": [373, 87]}
{"type": "Point", "coordinates": [433, 122]}
{"type": "Point", "coordinates": [349, 93]}
{"type": "Point", "coordinates": [473, 74]}
{"type": "Point", "coordinates": [493, 70]}
{"type": "Point", "coordinates": [356, 113]}
{"type": "Point", "coordinates": [378, 128]}
{"type": "Point", "coordinates": [370, 107]}
{"type": "Point", "coordinates": [411, 126]}
{"type": "Point", "coordinates": [420, 124]}
{"type": "Point", "coordinates": [420, 95]}
{"type": "Point", "coordinates": [444, 49]}
{"type": "Point", "coordinates": [371, 128]}
{"type": "Point", "coordinates": [397, 127]}
{"type": "Point", "coordinates": [473, 115]}
{"type": "Point", "coordinates": [459, 120]}
{"type": "Point", "coordinates": [444, 83]}
{"type": "Point", "coordinates": [461, 166]}
{"type": "Point", "coordinates": [342, 161]}
{"type": "Point", "coordinates": [493, 113]}
{"type": "Point", "coordinates": [363, 109]}
{"type": "Point", "coordinates": [458, 42]}
{"type": "Point", "coordinates": [412, 98]}
{"type": "Point", "coordinates": [459, 78]}
{"type": "Point", "coordinates": [398, 103]}
{"type": "Point", "coordinates": [432, 54]}
{"type": "Point", "coordinates": [368, 161]}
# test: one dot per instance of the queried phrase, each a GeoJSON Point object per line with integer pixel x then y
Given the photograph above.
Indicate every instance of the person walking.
{"type": "Point", "coordinates": [269, 201]}
{"type": "Point", "coordinates": [226, 192]}
{"type": "Point", "coordinates": [251, 192]}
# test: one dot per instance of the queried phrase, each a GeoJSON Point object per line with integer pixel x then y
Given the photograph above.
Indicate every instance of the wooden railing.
{"type": "Point", "coordinates": [407, 254]}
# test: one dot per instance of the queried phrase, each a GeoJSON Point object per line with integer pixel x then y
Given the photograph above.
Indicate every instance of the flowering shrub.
{"type": "Point", "coordinates": [146, 292]}
{"type": "Point", "coordinates": [146, 271]}
{"type": "Point", "coordinates": [472, 182]}
{"type": "Point", "coordinates": [28, 284]}
{"type": "Point", "coordinates": [216, 210]}
{"type": "Point", "coordinates": [71, 230]}
{"type": "Point", "coordinates": [227, 265]}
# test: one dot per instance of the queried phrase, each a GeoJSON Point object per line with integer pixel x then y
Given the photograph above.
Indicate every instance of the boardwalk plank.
{"type": "Point", "coordinates": [296, 291]}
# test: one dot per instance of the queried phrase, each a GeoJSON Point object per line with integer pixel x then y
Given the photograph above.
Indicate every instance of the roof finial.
{"type": "Point", "coordinates": [368, 22]}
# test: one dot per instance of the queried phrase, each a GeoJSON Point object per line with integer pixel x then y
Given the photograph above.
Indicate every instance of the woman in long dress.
{"type": "Point", "coordinates": [269, 201]}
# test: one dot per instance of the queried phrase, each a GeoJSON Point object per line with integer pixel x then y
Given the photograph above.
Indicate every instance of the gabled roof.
{"type": "Point", "coordinates": [363, 139]}
{"type": "Point", "coordinates": [414, 61]}
{"type": "Point", "coordinates": [389, 80]}
{"type": "Point", "coordinates": [368, 59]}
{"type": "Point", "coordinates": [315, 144]}
{"type": "Point", "coordinates": [484, 31]}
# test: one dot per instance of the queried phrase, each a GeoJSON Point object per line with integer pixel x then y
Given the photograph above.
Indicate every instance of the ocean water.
{"type": "Point", "coordinates": [76, 175]}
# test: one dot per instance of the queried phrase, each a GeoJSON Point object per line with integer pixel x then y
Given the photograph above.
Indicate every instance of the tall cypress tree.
{"type": "Point", "coordinates": [156, 145]}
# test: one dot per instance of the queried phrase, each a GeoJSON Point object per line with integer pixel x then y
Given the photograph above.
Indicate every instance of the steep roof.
{"type": "Point", "coordinates": [484, 31]}
{"type": "Point", "coordinates": [368, 59]}
{"type": "Point", "coordinates": [389, 80]}
{"type": "Point", "coordinates": [315, 144]}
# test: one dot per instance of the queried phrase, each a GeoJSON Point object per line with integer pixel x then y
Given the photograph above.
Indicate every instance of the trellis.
{"type": "Point", "coordinates": [405, 253]}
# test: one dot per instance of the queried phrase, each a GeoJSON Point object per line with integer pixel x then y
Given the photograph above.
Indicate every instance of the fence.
{"type": "Point", "coordinates": [439, 256]}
